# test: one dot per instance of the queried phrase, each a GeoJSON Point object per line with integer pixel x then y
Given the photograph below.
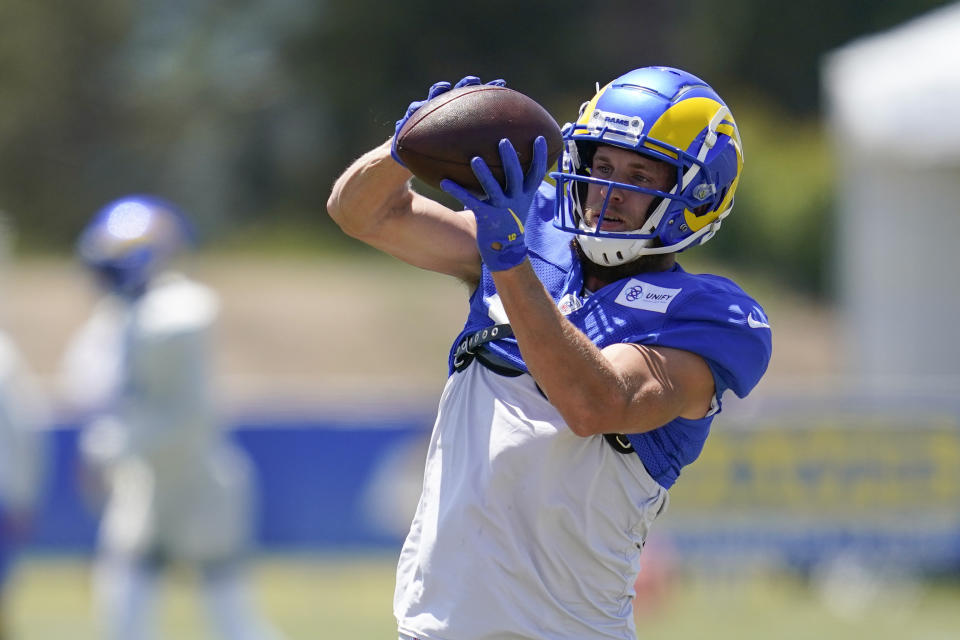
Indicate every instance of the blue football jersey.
{"type": "Point", "coordinates": [704, 314]}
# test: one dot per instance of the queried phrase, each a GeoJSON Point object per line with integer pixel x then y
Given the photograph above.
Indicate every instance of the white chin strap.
{"type": "Point", "coordinates": [610, 252]}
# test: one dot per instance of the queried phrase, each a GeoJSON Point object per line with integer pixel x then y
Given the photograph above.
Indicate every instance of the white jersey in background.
{"type": "Point", "coordinates": [141, 371]}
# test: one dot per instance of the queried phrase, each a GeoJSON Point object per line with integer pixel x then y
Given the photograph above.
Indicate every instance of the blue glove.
{"type": "Point", "coordinates": [501, 213]}
{"type": "Point", "coordinates": [435, 90]}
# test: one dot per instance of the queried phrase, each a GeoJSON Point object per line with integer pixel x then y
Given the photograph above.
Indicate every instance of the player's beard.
{"type": "Point", "coordinates": [607, 274]}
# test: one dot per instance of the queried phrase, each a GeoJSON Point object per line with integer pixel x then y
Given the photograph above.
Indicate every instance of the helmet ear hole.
{"type": "Point", "coordinates": [712, 205]}
{"type": "Point", "coordinates": [721, 197]}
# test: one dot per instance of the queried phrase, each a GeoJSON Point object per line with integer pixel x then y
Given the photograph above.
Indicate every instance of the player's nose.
{"type": "Point", "coordinates": [616, 195]}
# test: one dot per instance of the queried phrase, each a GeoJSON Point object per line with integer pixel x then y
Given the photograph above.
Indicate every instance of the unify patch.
{"type": "Point", "coordinates": [643, 295]}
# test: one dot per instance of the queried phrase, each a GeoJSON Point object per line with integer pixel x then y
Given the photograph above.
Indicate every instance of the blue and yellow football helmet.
{"type": "Point", "coordinates": [132, 239]}
{"type": "Point", "coordinates": [668, 115]}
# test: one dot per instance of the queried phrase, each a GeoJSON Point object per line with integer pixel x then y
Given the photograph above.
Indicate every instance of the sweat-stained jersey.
{"type": "Point", "coordinates": [704, 314]}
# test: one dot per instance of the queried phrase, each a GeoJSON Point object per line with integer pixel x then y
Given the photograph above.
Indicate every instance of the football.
{"type": "Point", "coordinates": [442, 136]}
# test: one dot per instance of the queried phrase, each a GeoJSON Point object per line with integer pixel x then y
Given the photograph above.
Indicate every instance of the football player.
{"type": "Point", "coordinates": [140, 373]}
{"type": "Point", "coordinates": [590, 366]}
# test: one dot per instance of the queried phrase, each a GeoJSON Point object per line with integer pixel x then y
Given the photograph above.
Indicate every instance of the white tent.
{"type": "Point", "coordinates": [893, 107]}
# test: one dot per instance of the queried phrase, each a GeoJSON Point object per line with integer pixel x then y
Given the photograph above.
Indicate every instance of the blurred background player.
{"type": "Point", "coordinates": [21, 462]}
{"type": "Point", "coordinates": [140, 372]}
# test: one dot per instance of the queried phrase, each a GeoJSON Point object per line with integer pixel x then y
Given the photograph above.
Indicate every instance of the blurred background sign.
{"type": "Point", "coordinates": [813, 478]}
{"type": "Point", "coordinates": [795, 486]}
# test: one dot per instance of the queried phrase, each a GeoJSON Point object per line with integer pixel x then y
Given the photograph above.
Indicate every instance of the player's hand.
{"type": "Point", "coordinates": [436, 89]}
{"type": "Point", "coordinates": [501, 214]}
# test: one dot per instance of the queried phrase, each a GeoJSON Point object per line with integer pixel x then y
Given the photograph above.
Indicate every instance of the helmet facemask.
{"type": "Point", "coordinates": [611, 248]}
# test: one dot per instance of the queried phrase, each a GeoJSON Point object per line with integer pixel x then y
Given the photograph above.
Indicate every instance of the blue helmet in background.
{"type": "Point", "coordinates": [132, 239]}
{"type": "Point", "coordinates": [668, 115]}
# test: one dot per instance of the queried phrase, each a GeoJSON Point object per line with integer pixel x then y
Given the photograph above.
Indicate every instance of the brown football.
{"type": "Point", "coordinates": [442, 136]}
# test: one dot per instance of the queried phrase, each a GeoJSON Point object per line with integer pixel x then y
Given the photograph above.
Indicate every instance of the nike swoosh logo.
{"type": "Point", "coordinates": [756, 324]}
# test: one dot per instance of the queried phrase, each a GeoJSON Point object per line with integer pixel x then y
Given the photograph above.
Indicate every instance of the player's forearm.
{"type": "Point", "coordinates": [368, 191]}
{"type": "Point", "coordinates": [575, 376]}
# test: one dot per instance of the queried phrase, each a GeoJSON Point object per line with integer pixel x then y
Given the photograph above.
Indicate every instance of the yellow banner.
{"type": "Point", "coordinates": [832, 467]}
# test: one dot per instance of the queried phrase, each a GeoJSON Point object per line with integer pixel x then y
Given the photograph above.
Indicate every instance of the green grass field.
{"type": "Point", "coordinates": [312, 597]}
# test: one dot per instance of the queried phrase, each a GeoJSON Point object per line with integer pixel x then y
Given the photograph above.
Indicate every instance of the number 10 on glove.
{"type": "Point", "coordinates": [500, 214]}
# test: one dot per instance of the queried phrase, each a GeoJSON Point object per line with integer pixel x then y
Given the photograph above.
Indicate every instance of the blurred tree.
{"type": "Point", "coordinates": [219, 126]}
{"type": "Point", "coordinates": [52, 116]}
{"type": "Point", "coordinates": [782, 223]}
{"type": "Point", "coordinates": [775, 47]}
{"type": "Point", "coordinates": [371, 58]}
{"type": "Point", "coordinates": [190, 100]}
